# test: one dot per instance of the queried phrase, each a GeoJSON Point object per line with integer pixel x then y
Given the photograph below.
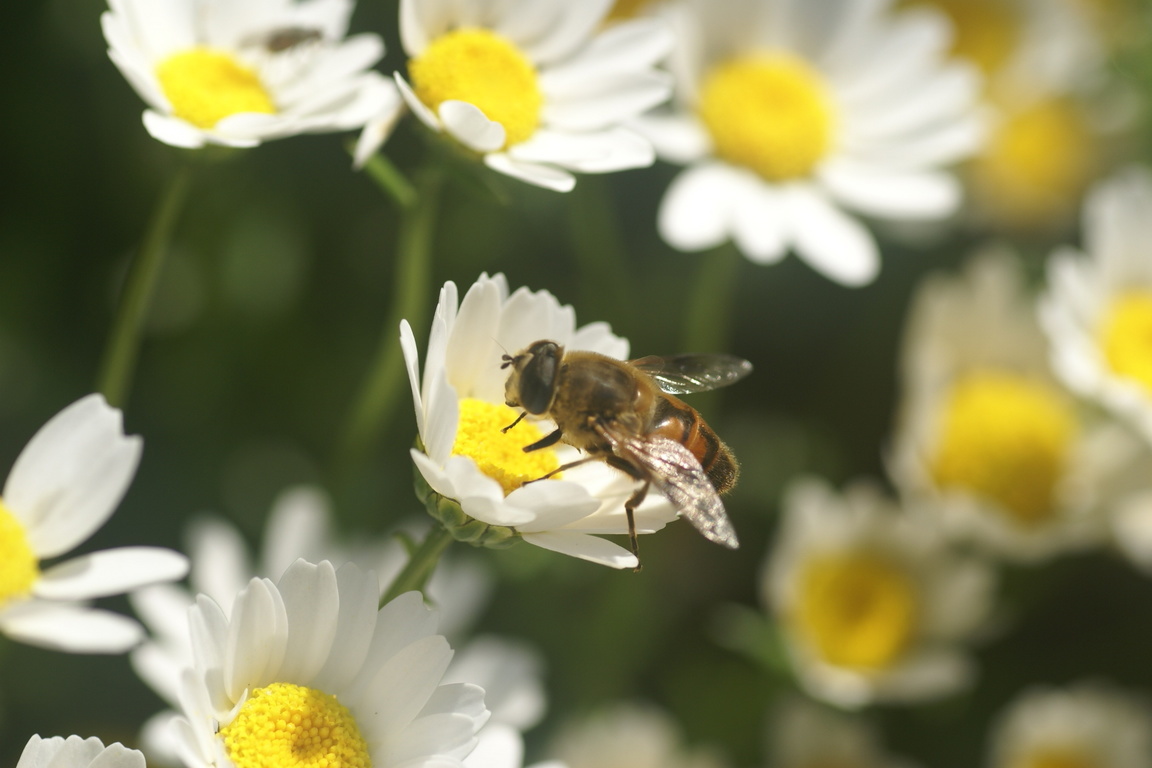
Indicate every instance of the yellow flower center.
{"type": "Point", "coordinates": [1006, 438]}
{"type": "Point", "coordinates": [205, 86]}
{"type": "Point", "coordinates": [985, 32]}
{"type": "Point", "coordinates": [499, 454]}
{"type": "Point", "coordinates": [770, 112]}
{"type": "Point", "coordinates": [857, 609]}
{"type": "Point", "coordinates": [19, 567]}
{"type": "Point", "coordinates": [1056, 757]}
{"type": "Point", "coordinates": [1038, 161]}
{"type": "Point", "coordinates": [1126, 337]}
{"type": "Point", "coordinates": [482, 68]}
{"type": "Point", "coordinates": [289, 726]}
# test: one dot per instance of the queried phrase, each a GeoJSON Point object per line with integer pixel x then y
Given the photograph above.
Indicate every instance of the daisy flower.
{"type": "Point", "coordinates": [475, 471]}
{"type": "Point", "coordinates": [240, 72]}
{"type": "Point", "coordinates": [314, 650]}
{"type": "Point", "coordinates": [987, 433]}
{"type": "Point", "coordinates": [806, 735]}
{"type": "Point", "coordinates": [1097, 310]}
{"type": "Point", "coordinates": [793, 117]}
{"type": "Point", "coordinates": [1088, 725]}
{"type": "Point", "coordinates": [871, 602]}
{"type": "Point", "coordinates": [65, 484]}
{"type": "Point", "coordinates": [536, 90]}
{"type": "Point", "coordinates": [628, 735]}
{"type": "Point", "coordinates": [75, 752]}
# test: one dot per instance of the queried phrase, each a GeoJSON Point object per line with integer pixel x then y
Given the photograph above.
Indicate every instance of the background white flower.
{"type": "Point", "coordinates": [873, 604]}
{"type": "Point", "coordinates": [538, 90]}
{"type": "Point", "coordinates": [240, 72]}
{"type": "Point", "coordinates": [75, 752]}
{"type": "Point", "coordinates": [462, 373]}
{"type": "Point", "coordinates": [628, 735]}
{"type": "Point", "coordinates": [65, 484]}
{"type": "Point", "coordinates": [789, 114]}
{"type": "Point", "coordinates": [806, 735]}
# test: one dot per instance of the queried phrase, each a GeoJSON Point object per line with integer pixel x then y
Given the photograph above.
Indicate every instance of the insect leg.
{"type": "Point", "coordinates": [629, 509]}
{"type": "Point", "coordinates": [564, 467]}
{"type": "Point", "coordinates": [548, 440]}
{"type": "Point", "coordinates": [518, 419]}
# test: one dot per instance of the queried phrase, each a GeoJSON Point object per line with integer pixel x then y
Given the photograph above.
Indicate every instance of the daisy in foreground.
{"type": "Point", "coordinates": [479, 474]}
{"type": "Point", "coordinates": [75, 752]}
{"type": "Point", "coordinates": [538, 90]}
{"type": "Point", "coordinates": [1097, 311]}
{"type": "Point", "coordinates": [987, 433]}
{"type": "Point", "coordinates": [790, 114]}
{"type": "Point", "coordinates": [240, 72]}
{"type": "Point", "coordinates": [1088, 725]}
{"type": "Point", "coordinates": [872, 604]}
{"type": "Point", "coordinates": [308, 671]}
{"type": "Point", "coordinates": [64, 485]}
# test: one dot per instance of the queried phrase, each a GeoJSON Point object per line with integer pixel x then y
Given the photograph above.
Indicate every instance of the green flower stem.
{"type": "Point", "coordinates": [391, 181]}
{"type": "Point", "coordinates": [600, 252]}
{"type": "Point", "coordinates": [708, 315]}
{"type": "Point", "coordinates": [421, 563]}
{"type": "Point", "coordinates": [119, 361]}
{"type": "Point", "coordinates": [410, 300]}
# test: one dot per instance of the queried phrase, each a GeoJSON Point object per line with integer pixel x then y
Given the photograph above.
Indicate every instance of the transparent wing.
{"type": "Point", "coordinates": [677, 474]}
{"type": "Point", "coordinates": [685, 374]}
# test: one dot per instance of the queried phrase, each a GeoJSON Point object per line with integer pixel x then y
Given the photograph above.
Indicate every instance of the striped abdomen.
{"type": "Point", "coordinates": [676, 420]}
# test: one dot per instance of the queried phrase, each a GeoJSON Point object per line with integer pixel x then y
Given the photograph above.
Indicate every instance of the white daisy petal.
{"type": "Point", "coordinates": [585, 547]}
{"type": "Point", "coordinates": [471, 127]}
{"type": "Point", "coordinates": [676, 138]}
{"type": "Point", "coordinates": [534, 173]}
{"type": "Point", "coordinates": [311, 607]}
{"type": "Point", "coordinates": [695, 213]}
{"type": "Point", "coordinates": [69, 628]}
{"type": "Point", "coordinates": [176, 132]}
{"type": "Point", "coordinates": [759, 224]}
{"type": "Point", "coordinates": [572, 26]}
{"type": "Point", "coordinates": [879, 192]}
{"type": "Point", "coordinates": [110, 572]}
{"type": "Point", "coordinates": [605, 101]}
{"type": "Point", "coordinates": [611, 150]}
{"type": "Point", "coordinates": [833, 243]}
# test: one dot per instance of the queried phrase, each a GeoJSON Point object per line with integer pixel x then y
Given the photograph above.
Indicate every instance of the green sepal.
{"type": "Point", "coordinates": [462, 527]}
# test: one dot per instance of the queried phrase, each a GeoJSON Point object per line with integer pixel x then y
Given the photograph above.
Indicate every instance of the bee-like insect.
{"type": "Point", "coordinates": [625, 413]}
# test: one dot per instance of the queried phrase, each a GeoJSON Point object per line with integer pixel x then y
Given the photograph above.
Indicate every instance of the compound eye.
{"type": "Point", "coordinates": [538, 379]}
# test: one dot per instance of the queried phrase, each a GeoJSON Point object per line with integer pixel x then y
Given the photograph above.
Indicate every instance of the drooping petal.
{"type": "Point", "coordinates": [70, 628]}
{"type": "Point", "coordinates": [110, 572]}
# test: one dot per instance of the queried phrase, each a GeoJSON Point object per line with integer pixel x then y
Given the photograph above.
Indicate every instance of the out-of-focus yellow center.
{"type": "Point", "coordinates": [986, 32]}
{"type": "Point", "coordinates": [1037, 162]}
{"type": "Point", "coordinates": [770, 112]}
{"type": "Point", "coordinates": [205, 86]}
{"type": "Point", "coordinates": [1056, 757]}
{"type": "Point", "coordinates": [19, 567]}
{"type": "Point", "coordinates": [499, 454]}
{"type": "Point", "coordinates": [482, 68]}
{"type": "Point", "coordinates": [1126, 337]}
{"type": "Point", "coordinates": [289, 726]}
{"type": "Point", "coordinates": [622, 10]}
{"type": "Point", "coordinates": [1006, 438]}
{"type": "Point", "coordinates": [857, 609]}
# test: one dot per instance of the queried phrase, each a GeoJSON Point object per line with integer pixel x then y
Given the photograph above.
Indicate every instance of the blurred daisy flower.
{"type": "Point", "coordinates": [628, 735]}
{"type": "Point", "coordinates": [314, 648]}
{"type": "Point", "coordinates": [1045, 66]}
{"type": "Point", "coordinates": [536, 90]}
{"type": "Point", "coordinates": [807, 735]}
{"type": "Point", "coordinates": [872, 603]}
{"type": "Point", "coordinates": [1087, 725]}
{"type": "Point", "coordinates": [477, 474]}
{"type": "Point", "coordinates": [240, 72]}
{"type": "Point", "coordinates": [65, 484]}
{"type": "Point", "coordinates": [988, 433]}
{"type": "Point", "coordinates": [1097, 310]}
{"type": "Point", "coordinates": [299, 526]}
{"type": "Point", "coordinates": [75, 752]}
{"type": "Point", "coordinates": [792, 117]}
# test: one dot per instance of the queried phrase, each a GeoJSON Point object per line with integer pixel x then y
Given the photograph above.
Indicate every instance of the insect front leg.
{"type": "Point", "coordinates": [633, 502]}
{"type": "Point", "coordinates": [547, 441]}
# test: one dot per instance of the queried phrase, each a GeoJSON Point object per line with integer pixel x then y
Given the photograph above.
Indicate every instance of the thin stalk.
{"type": "Point", "coordinates": [390, 180]}
{"type": "Point", "coordinates": [708, 317]}
{"type": "Point", "coordinates": [421, 563]}
{"type": "Point", "coordinates": [603, 260]}
{"type": "Point", "coordinates": [119, 362]}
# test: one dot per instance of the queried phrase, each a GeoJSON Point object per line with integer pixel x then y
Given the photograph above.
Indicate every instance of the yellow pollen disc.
{"type": "Point", "coordinates": [986, 32]}
{"type": "Point", "coordinates": [482, 68]}
{"type": "Point", "coordinates": [500, 455]}
{"type": "Point", "coordinates": [19, 567]}
{"type": "Point", "coordinates": [858, 609]}
{"type": "Point", "coordinates": [1126, 337]}
{"type": "Point", "coordinates": [1006, 438]}
{"type": "Point", "coordinates": [1037, 162]}
{"type": "Point", "coordinates": [290, 726]}
{"type": "Point", "coordinates": [1056, 757]}
{"type": "Point", "coordinates": [205, 86]}
{"type": "Point", "coordinates": [770, 112]}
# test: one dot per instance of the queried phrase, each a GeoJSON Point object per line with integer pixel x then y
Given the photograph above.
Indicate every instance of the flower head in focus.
{"type": "Point", "coordinates": [241, 72]}
{"type": "Point", "coordinates": [872, 603]}
{"type": "Point", "coordinates": [537, 90]}
{"type": "Point", "coordinates": [476, 472]}
{"type": "Point", "coordinates": [308, 672]}
{"type": "Point", "coordinates": [65, 484]}
{"type": "Point", "coordinates": [627, 735]}
{"type": "Point", "coordinates": [1087, 725]}
{"type": "Point", "coordinates": [987, 433]}
{"type": "Point", "coordinates": [793, 117]}
{"type": "Point", "coordinates": [75, 752]}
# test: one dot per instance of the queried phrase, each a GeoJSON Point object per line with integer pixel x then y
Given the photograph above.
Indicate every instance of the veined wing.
{"type": "Point", "coordinates": [678, 475]}
{"type": "Point", "coordinates": [685, 374]}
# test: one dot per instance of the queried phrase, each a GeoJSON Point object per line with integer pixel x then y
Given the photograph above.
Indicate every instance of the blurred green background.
{"type": "Point", "coordinates": [269, 313]}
